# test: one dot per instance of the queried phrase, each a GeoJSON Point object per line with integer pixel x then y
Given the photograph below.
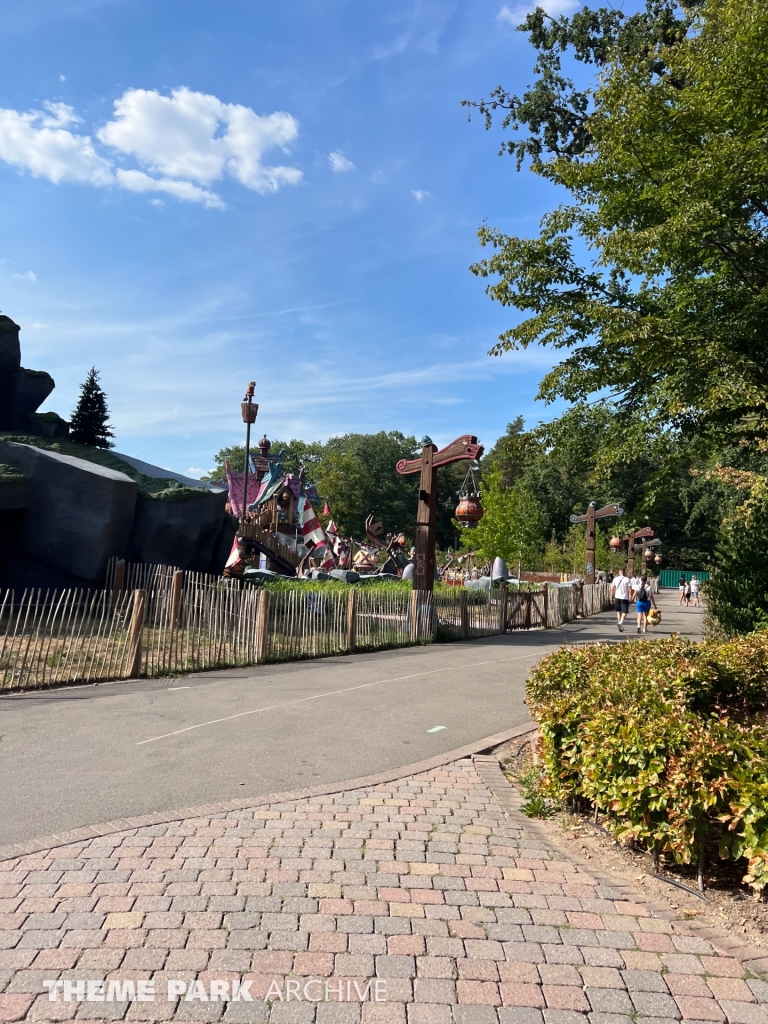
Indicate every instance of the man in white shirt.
{"type": "Point", "coordinates": [620, 589]}
{"type": "Point", "coordinates": [634, 584]}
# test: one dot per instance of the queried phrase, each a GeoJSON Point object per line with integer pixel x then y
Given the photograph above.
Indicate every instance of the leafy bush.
{"type": "Point", "coordinates": [737, 591]}
{"type": "Point", "coordinates": [667, 737]}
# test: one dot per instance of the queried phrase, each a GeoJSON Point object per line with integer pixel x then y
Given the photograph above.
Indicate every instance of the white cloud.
{"type": "Point", "coordinates": [419, 194]}
{"type": "Point", "coordinates": [30, 141]}
{"type": "Point", "coordinates": [182, 142]}
{"type": "Point", "coordinates": [180, 136]}
{"type": "Point", "coordinates": [194, 471]}
{"type": "Point", "coordinates": [339, 162]}
{"type": "Point", "coordinates": [138, 181]}
{"type": "Point", "coordinates": [29, 276]}
{"type": "Point", "coordinates": [516, 15]}
{"type": "Point", "coordinates": [62, 78]}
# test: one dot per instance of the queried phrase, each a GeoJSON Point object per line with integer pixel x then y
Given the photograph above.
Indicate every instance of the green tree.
{"type": "Point", "coordinates": [356, 475]}
{"type": "Point", "coordinates": [295, 455]}
{"type": "Point", "coordinates": [89, 423]}
{"type": "Point", "coordinates": [512, 526]}
{"type": "Point", "coordinates": [737, 591]}
{"type": "Point", "coordinates": [653, 279]}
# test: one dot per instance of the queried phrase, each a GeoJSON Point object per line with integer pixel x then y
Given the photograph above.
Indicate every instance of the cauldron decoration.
{"type": "Point", "coordinates": [658, 559]}
{"type": "Point", "coordinates": [614, 543]}
{"type": "Point", "coordinates": [469, 510]}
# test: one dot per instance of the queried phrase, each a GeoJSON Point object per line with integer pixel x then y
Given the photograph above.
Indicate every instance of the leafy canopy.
{"type": "Point", "coordinates": [653, 280]}
{"type": "Point", "coordinates": [512, 526]}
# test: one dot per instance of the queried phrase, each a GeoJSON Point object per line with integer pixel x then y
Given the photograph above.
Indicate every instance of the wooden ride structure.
{"type": "Point", "coordinates": [463, 448]}
{"type": "Point", "coordinates": [592, 515]}
{"type": "Point", "coordinates": [647, 546]}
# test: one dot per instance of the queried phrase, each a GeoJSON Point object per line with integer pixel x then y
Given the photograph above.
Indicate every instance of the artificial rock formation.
{"type": "Point", "coordinates": [78, 514]}
{"type": "Point", "coordinates": [23, 391]}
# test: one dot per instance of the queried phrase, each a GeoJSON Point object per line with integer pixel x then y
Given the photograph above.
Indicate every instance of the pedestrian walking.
{"type": "Point", "coordinates": [695, 588]}
{"type": "Point", "coordinates": [681, 587]}
{"type": "Point", "coordinates": [644, 601]}
{"type": "Point", "coordinates": [620, 591]}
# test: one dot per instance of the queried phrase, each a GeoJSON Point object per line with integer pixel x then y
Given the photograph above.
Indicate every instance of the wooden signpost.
{"type": "Point", "coordinates": [463, 448]}
{"type": "Point", "coordinates": [589, 519]}
{"type": "Point", "coordinates": [640, 535]}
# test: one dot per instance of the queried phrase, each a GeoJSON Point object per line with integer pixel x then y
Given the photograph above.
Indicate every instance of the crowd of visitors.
{"type": "Point", "coordinates": [689, 591]}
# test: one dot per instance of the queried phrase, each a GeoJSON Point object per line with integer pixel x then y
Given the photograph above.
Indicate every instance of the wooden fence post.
{"type": "Point", "coordinates": [262, 626]}
{"type": "Point", "coordinates": [351, 619]}
{"type": "Point", "coordinates": [134, 639]}
{"type": "Point", "coordinates": [546, 606]}
{"type": "Point", "coordinates": [503, 597]}
{"type": "Point", "coordinates": [464, 613]}
{"type": "Point", "coordinates": [414, 614]}
{"type": "Point", "coordinates": [176, 590]}
{"type": "Point", "coordinates": [118, 583]}
{"type": "Point", "coordinates": [528, 607]}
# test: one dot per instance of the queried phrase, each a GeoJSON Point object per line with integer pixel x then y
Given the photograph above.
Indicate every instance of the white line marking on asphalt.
{"type": "Point", "coordinates": [179, 687]}
{"type": "Point", "coordinates": [436, 728]}
{"type": "Point", "coordinates": [331, 693]}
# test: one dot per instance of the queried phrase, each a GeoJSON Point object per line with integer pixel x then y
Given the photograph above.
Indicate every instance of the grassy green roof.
{"type": "Point", "coordinates": [9, 475]}
{"type": "Point", "coordinates": [159, 488]}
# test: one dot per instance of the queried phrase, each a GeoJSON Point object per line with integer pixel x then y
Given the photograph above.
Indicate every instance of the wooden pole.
{"type": "Point", "coordinates": [589, 573]}
{"type": "Point", "coordinates": [119, 582]}
{"type": "Point", "coordinates": [528, 607]}
{"type": "Point", "coordinates": [177, 586]}
{"type": "Point", "coordinates": [546, 606]}
{"type": "Point", "coordinates": [262, 626]}
{"type": "Point", "coordinates": [134, 639]}
{"type": "Point", "coordinates": [503, 597]}
{"type": "Point", "coordinates": [631, 556]}
{"type": "Point", "coordinates": [464, 613]}
{"type": "Point", "coordinates": [351, 619]}
{"type": "Point", "coordinates": [424, 563]}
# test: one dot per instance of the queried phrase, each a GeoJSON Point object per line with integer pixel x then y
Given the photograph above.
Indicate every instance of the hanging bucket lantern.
{"type": "Point", "coordinates": [469, 510]}
{"type": "Point", "coordinates": [648, 553]}
{"type": "Point", "coordinates": [614, 543]}
{"type": "Point", "coordinates": [658, 559]}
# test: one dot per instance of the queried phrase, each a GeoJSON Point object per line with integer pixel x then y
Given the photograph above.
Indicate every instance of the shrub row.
{"type": "Point", "coordinates": [667, 737]}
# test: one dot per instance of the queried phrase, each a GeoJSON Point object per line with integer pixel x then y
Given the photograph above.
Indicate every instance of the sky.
{"type": "Point", "coordinates": [199, 193]}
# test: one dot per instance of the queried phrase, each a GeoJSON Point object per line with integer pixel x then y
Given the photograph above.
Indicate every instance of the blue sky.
{"type": "Point", "coordinates": [196, 193]}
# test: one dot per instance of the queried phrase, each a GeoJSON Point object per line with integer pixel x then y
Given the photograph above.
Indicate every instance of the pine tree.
{"type": "Point", "coordinates": [89, 423]}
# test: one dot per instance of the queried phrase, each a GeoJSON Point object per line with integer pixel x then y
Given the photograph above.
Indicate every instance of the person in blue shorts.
{"type": "Point", "coordinates": [644, 601]}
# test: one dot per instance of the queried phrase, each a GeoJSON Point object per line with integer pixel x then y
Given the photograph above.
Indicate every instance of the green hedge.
{"type": "Point", "coordinates": [667, 737]}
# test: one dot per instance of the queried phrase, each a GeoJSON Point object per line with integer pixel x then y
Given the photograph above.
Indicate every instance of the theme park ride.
{"type": "Point", "coordinates": [278, 528]}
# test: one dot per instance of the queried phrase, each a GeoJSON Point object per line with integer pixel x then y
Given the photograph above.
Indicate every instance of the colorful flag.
{"type": "Point", "coordinates": [326, 510]}
{"type": "Point", "coordinates": [312, 532]}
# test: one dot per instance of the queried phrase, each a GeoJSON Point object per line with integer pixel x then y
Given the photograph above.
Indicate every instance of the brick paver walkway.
{"type": "Point", "coordinates": [424, 883]}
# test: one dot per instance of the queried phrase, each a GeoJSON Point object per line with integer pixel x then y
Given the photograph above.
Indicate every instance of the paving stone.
{"type": "Point", "coordinates": [475, 1015]}
{"type": "Point", "coordinates": [656, 1004]}
{"type": "Point", "coordinates": [609, 1000]}
{"type": "Point", "coordinates": [424, 883]}
{"type": "Point", "coordinates": [519, 1015]}
{"type": "Point", "coordinates": [743, 1013]}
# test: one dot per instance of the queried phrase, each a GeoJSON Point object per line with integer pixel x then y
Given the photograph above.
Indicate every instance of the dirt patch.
{"type": "Point", "coordinates": [729, 904]}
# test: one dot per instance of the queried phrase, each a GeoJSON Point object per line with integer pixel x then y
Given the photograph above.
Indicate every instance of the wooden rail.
{"type": "Point", "coordinates": [156, 620]}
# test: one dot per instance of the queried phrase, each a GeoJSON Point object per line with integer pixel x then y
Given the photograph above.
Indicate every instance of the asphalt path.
{"type": "Point", "coordinates": [85, 754]}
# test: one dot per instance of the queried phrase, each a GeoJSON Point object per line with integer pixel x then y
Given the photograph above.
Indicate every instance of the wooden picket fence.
{"type": "Point", "coordinates": [153, 620]}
